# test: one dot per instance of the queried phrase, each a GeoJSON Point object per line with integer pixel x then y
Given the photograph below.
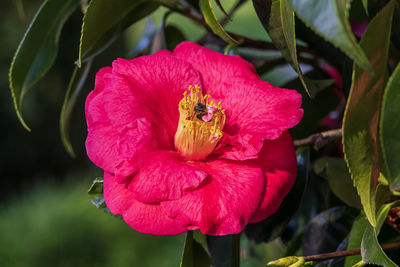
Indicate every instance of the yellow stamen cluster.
{"type": "Point", "coordinates": [195, 138]}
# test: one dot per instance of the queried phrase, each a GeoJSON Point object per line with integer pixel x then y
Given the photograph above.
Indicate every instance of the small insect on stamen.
{"type": "Point", "coordinates": [200, 110]}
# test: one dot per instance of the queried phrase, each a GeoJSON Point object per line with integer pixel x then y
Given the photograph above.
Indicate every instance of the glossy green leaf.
{"type": "Point", "coordinates": [273, 226]}
{"type": "Point", "coordinates": [277, 17]}
{"type": "Point", "coordinates": [371, 251]}
{"type": "Point", "coordinates": [224, 250]}
{"type": "Point", "coordinates": [38, 49]}
{"type": "Point", "coordinates": [105, 20]}
{"type": "Point", "coordinates": [360, 125]}
{"type": "Point", "coordinates": [193, 253]}
{"type": "Point", "coordinates": [75, 85]}
{"type": "Point", "coordinates": [213, 22]}
{"type": "Point", "coordinates": [390, 130]}
{"type": "Point", "coordinates": [329, 19]}
{"type": "Point", "coordinates": [339, 179]}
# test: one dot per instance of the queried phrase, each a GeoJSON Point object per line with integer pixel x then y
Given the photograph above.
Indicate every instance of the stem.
{"type": "Point", "coordinates": [319, 140]}
{"type": "Point", "coordinates": [344, 253]}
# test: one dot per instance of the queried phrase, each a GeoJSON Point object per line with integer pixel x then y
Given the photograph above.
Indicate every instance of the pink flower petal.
{"type": "Point", "coordinates": [145, 218]}
{"type": "Point", "coordinates": [278, 161]}
{"type": "Point", "coordinates": [256, 112]}
{"type": "Point", "coordinates": [224, 203]}
{"type": "Point", "coordinates": [149, 87]}
{"type": "Point", "coordinates": [100, 143]}
{"type": "Point", "coordinates": [165, 176]}
{"type": "Point", "coordinates": [215, 68]}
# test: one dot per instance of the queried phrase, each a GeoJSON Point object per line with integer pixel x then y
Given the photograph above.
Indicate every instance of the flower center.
{"type": "Point", "coordinates": [200, 125]}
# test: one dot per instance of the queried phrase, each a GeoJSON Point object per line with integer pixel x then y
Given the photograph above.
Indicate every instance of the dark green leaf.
{"type": "Point", "coordinates": [213, 22]}
{"type": "Point", "coordinates": [390, 130]}
{"type": "Point", "coordinates": [360, 125]}
{"type": "Point", "coordinates": [96, 196]}
{"type": "Point", "coordinates": [224, 250]}
{"type": "Point", "coordinates": [173, 36]}
{"type": "Point", "coordinates": [75, 85]}
{"type": "Point", "coordinates": [330, 20]}
{"type": "Point", "coordinates": [316, 86]}
{"type": "Point", "coordinates": [105, 20]}
{"type": "Point", "coordinates": [339, 180]}
{"type": "Point", "coordinates": [277, 17]}
{"type": "Point", "coordinates": [38, 49]}
{"type": "Point", "coordinates": [273, 226]}
{"type": "Point", "coordinates": [193, 253]}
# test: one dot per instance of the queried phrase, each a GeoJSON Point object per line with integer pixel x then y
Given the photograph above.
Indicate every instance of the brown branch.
{"type": "Point", "coordinates": [344, 253]}
{"type": "Point", "coordinates": [319, 140]}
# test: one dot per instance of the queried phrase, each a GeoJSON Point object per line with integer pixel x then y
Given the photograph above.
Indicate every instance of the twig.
{"type": "Point", "coordinates": [344, 253]}
{"type": "Point", "coordinates": [319, 140]}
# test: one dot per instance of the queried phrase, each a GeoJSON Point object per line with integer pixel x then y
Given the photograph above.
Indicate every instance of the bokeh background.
{"type": "Point", "coordinates": [46, 218]}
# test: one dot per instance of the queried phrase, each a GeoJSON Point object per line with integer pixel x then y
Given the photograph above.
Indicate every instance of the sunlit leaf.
{"type": "Point", "coordinates": [193, 253]}
{"type": "Point", "coordinates": [390, 130]}
{"type": "Point", "coordinates": [360, 125]}
{"type": "Point", "coordinates": [75, 85]}
{"type": "Point", "coordinates": [329, 19]}
{"type": "Point", "coordinates": [38, 49]}
{"type": "Point", "coordinates": [371, 251]}
{"type": "Point", "coordinates": [213, 22]}
{"type": "Point", "coordinates": [105, 20]}
{"type": "Point", "coordinates": [277, 17]}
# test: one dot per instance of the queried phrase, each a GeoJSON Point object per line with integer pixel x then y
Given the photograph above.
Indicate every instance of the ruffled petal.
{"type": "Point", "coordinates": [215, 68]}
{"type": "Point", "coordinates": [133, 143]}
{"type": "Point", "coordinates": [149, 87]}
{"type": "Point", "coordinates": [256, 112]}
{"type": "Point", "coordinates": [224, 203]}
{"type": "Point", "coordinates": [277, 158]}
{"type": "Point", "coordinates": [164, 176]}
{"type": "Point", "coordinates": [145, 218]}
{"type": "Point", "coordinates": [100, 143]}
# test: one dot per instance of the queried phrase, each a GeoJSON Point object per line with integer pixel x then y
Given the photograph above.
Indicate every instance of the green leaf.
{"type": "Point", "coordinates": [96, 196]}
{"type": "Point", "coordinates": [371, 251]}
{"type": "Point", "coordinates": [355, 238]}
{"type": "Point", "coordinates": [105, 20]}
{"type": "Point", "coordinates": [273, 226]}
{"type": "Point", "coordinates": [75, 85]}
{"type": "Point", "coordinates": [193, 253]}
{"type": "Point", "coordinates": [360, 123]}
{"type": "Point", "coordinates": [277, 17]}
{"type": "Point", "coordinates": [339, 180]}
{"type": "Point", "coordinates": [329, 19]}
{"type": "Point", "coordinates": [38, 49]}
{"type": "Point", "coordinates": [390, 130]}
{"type": "Point", "coordinates": [224, 250]}
{"type": "Point", "coordinates": [213, 22]}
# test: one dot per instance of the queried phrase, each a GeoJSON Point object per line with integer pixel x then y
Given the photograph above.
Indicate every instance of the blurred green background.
{"type": "Point", "coordinates": [46, 218]}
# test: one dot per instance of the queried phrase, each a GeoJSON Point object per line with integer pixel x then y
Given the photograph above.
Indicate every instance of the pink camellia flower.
{"type": "Point", "coordinates": [191, 139]}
